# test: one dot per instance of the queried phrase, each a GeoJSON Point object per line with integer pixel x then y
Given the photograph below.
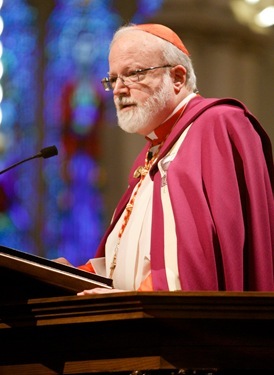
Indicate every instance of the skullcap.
{"type": "Point", "coordinates": [163, 32]}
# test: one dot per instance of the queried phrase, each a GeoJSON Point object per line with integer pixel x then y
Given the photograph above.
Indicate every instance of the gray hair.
{"type": "Point", "coordinates": [171, 55]}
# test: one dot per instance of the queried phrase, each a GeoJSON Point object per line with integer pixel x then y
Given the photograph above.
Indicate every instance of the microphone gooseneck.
{"type": "Point", "coordinates": [45, 153]}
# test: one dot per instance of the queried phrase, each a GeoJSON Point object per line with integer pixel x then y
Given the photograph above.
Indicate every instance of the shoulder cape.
{"type": "Point", "coordinates": [222, 274]}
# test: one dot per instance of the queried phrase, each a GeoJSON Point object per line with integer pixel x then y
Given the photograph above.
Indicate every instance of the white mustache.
{"type": "Point", "coordinates": [121, 102]}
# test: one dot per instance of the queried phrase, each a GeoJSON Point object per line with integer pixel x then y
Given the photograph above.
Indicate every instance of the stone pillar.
{"type": "Point", "coordinates": [229, 58]}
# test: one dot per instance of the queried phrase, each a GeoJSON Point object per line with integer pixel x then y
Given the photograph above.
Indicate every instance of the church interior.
{"type": "Point", "coordinates": [53, 56]}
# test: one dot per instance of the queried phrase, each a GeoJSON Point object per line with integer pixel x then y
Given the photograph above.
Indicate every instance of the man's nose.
{"type": "Point", "coordinates": [120, 85]}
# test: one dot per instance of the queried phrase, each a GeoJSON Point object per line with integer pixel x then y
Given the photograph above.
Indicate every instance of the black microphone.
{"type": "Point", "coordinates": [45, 153]}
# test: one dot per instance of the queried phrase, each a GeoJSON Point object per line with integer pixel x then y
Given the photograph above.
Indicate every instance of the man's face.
{"type": "Point", "coordinates": [141, 105]}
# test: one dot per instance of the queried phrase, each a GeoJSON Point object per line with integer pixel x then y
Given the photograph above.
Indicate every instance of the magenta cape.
{"type": "Point", "coordinates": [221, 194]}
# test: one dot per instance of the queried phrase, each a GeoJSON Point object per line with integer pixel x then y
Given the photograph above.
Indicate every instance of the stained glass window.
{"type": "Point", "coordinates": [55, 207]}
{"type": "Point", "coordinates": [18, 132]}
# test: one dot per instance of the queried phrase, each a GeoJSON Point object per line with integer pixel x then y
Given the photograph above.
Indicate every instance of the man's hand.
{"type": "Point", "coordinates": [99, 291]}
{"type": "Point", "coordinates": [62, 261]}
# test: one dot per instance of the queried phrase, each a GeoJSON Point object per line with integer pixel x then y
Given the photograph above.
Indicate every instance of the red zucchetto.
{"type": "Point", "coordinates": [163, 32]}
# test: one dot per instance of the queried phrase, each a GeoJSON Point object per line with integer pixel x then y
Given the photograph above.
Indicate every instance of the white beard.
{"type": "Point", "coordinates": [141, 115]}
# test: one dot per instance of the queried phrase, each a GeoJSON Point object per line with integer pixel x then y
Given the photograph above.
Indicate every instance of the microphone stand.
{"type": "Point", "coordinates": [46, 152]}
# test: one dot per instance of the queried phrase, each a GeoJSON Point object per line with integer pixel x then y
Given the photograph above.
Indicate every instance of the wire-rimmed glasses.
{"type": "Point", "coordinates": [130, 78]}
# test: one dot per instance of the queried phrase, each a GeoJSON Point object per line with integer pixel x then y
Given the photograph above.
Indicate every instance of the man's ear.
{"type": "Point", "coordinates": [179, 76]}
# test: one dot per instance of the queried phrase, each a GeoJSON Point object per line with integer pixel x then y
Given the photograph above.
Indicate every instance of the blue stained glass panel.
{"type": "Point", "coordinates": [55, 208]}
{"type": "Point", "coordinates": [18, 132]}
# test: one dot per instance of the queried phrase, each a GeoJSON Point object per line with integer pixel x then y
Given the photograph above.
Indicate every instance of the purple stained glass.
{"type": "Point", "coordinates": [56, 208]}
{"type": "Point", "coordinates": [18, 133]}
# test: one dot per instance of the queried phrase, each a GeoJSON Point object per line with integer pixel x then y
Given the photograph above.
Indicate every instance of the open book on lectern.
{"type": "Point", "coordinates": [37, 269]}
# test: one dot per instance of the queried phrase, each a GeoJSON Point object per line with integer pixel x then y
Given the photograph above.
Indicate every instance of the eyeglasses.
{"type": "Point", "coordinates": [130, 78]}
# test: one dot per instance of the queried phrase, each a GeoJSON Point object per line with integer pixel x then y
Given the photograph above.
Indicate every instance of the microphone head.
{"type": "Point", "coordinates": [48, 152]}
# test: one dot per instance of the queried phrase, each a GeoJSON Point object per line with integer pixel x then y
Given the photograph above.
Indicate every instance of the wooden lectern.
{"type": "Point", "coordinates": [130, 332]}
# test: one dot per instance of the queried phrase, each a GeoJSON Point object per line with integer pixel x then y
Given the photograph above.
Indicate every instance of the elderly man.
{"type": "Point", "coordinates": [198, 211]}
